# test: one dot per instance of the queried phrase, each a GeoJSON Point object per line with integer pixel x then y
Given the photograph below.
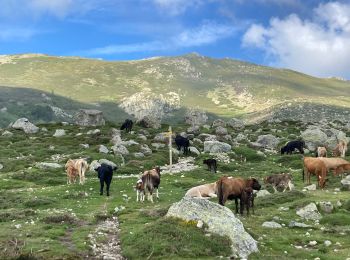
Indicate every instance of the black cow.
{"type": "Point", "coordinates": [127, 125]}
{"type": "Point", "coordinates": [182, 142]}
{"type": "Point", "coordinates": [105, 174]}
{"type": "Point", "coordinates": [212, 165]}
{"type": "Point", "coordinates": [292, 145]}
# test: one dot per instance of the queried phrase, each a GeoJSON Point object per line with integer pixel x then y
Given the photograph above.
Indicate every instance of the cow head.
{"type": "Point", "coordinates": [254, 184]}
{"type": "Point", "coordinates": [283, 150]}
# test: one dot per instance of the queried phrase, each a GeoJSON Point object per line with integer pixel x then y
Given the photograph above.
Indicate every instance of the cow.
{"type": "Point", "coordinates": [140, 191]}
{"type": "Point", "coordinates": [292, 145]}
{"type": "Point", "coordinates": [205, 191]}
{"type": "Point", "coordinates": [342, 168]}
{"type": "Point", "coordinates": [127, 125]}
{"type": "Point", "coordinates": [333, 163]}
{"type": "Point", "coordinates": [211, 163]}
{"type": "Point", "coordinates": [340, 149]}
{"type": "Point", "coordinates": [76, 168]}
{"type": "Point", "coordinates": [277, 180]}
{"type": "Point", "coordinates": [236, 188]}
{"type": "Point", "coordinates": [321, 151]}
{"type": "Point", "coordinates": [105, 174]}
{"type": "Point", "coordinates": [182, 142]}
{"type": "Point", "coordinates": [315, 166]}
{"type": "Point", "coordinates": [151, 181]}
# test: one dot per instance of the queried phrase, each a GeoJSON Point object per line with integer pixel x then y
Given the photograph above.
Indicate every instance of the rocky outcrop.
{"type": "Point", "coordinates": [221, 130]}
{"type": "Point", "coordinates": [219, 122]}
{"type": "Point", "coordinates": [220, 220]}
{"type": "Point", "coordinates": [149, 122]}
{"type": "Point", "coordinates": [216, 147]}
{"type": "Point", "coordinates": [89, 117]}
{"type": "Point", "coordinates": [309, 212]}
{"type": "Point", "coordinates": [268, 141]}
{"type": "Point", "coordinates": [314, 137]}
{"type": "Point", "coordinates": [25, 125]}
{"type": "Point", "coordinates": [120, 149]}
{"type": "Point", "coordinates": [235, 123]}
{"type": "Point", "coordinates": [196, 117]}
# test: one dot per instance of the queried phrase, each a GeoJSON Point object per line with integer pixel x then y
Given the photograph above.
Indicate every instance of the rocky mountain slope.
{"type": "Point", "coordinates": [160, 86]}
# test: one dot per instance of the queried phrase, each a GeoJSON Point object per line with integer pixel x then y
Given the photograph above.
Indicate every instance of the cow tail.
{"type": "Point", "coordinates": [220, 192]}
{"type": "Point", "coordinates": [303, 173]}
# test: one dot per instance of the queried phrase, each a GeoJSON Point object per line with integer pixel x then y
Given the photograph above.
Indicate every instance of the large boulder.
{"type": "Point", "coordinates": [219, 122]}
{"type": "Point", "coordinates": [221, 130]}
{"type": "Point", "coordinates": [145, 149]}
{"type": "Point", "coordinates": [120, 149]}
{"type": "Point", "coordinates": [149, 122]}
{"type": "Point", "coordinates": [48, 165]}
{"type": "Point", "coordinates": [25, 125]}
{"type": "Point", "coordinates": [89, 117]}
{"type": "Point", "coordinates": [314, 137]}
{"type": "Point", "coordinates": [196, 117]}
{"type": "Point", "coordinates": [268, 141]}
{"type": "Point", "coordinates": [97, 163]}
{"type": "Point", "coordinates": [235, 123]}
{"type": "Point", "coordinates": [216, 147]}
{"type": "Point", "coordinates": [220, 220]}
{"type": "Point", "coordinates": [346, 182]}
{"type": "Point", "coordinates": [309, 212]}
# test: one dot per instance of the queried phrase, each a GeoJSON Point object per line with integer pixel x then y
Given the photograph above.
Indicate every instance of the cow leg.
{"type": "Point", "coordinates": [108, 183]}
{"type": "Point", "coordinates": [274, 188]}
{"type": "Point", "coordinates": [137, 195]}
{"type": "Point", "coordinates": [252, 201]}
{"type": "Point", "coordinates": [157, 194]}
{"type": "Point", "coordinates": [236, 203]}
{"type": "Point", "coordinates": [241, 206]}
{"type": "Point", "coordinates": [101, 186]}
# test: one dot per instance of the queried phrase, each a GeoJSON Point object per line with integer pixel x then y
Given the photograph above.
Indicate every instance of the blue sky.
{"type": "Point", "coordinates": [308, 36]}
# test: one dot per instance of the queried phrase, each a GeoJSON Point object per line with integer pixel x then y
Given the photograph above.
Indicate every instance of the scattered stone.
{"type": "Point", "coordinates": [129, 143]}
{"type": "Point", "coordinates": [46, 165]}
{"type": "Point", "coordinates": [200, 224]}
{"type": "Point", "coordinates": [158, 145]}
{"type": "Point", "coordinates": [219, 122]}
{"type": "Point", "coordinates": [183, 165]}
{"type": "Point", "coordinates": [59, 133]}
{"type": "Point", "coordinates": [271, 224]}
{"type": "Point", "coordinates": [139, 155]}
{"type": "Point", "coordinates": [194, 150]}
{"type": "Point", "coordinates": [298, 224]}
{"type": "Point", "coordinates": [196, 117]}
{"type": "Point", "coordinates": [327, 243]}
{"type": "Point", "coordinates": [313, 243]}
{"type": "Point", "coordinates": [268, 141]}
{"type": "Point", "coordinates": [346, 182]}
{"type": "Point", "coordinates": [7, 133]}
{"type": "Point", "coordinates": [339, 204]}
{"type": "Point", "coordinates": [86, 146]}
{"type": "Point", "coordinates": [216, 147]}
{"type": "Point", "coordinates": [145, 149]}
{"type": "Point", "coordinates": [236, 123]}
{"type": "Point", "coordinates": [149, 122]}
{"type": "Point", "coordinates": [89, 117]}
{"type": "Point", "coordinates": [221, 130]}
{"type": "Point", "coordinates": [120, 149]}
{"type": "Point", "coordinates": [193, 130]}
{"type": "Point", "coordinates": [311, 187]}
{"type": "Point", "coordinates": [326, 207]}
{"type": "Point", "coordinates": [44, 129]}
{"type": "Point", "coordinates": [309, 212]}
{"type": "Point", "coordinates": [142, 137]}
{"type": "Point", "coordinates": [25, 125]}
{"type": "Point", "coordinates": [103, 149]}
{"type": "Point", "coordinates": [163, 137]}
{"type": "Point", "coordinates": [283, 208]}
{"type": "Point", "coordinates": [220, 220]}
{"type": "Point", "coordinates": [116, 139]}
{"type": "Point", "coordinates": [313, 137]}
{"type": "Point", "coordinates": [1, 166]}
{"type": "Point", "coordinates": [262, 193]}
{"type": "Point", "coordinates": [207, 137]}
{"type": "Point", "coordinates": [94, 132]}
{"type": "Point", "coordinates": [97, 163]}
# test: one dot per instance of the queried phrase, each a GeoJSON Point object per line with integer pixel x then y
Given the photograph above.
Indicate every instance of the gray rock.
{"type": "Point", "coordinates": [25, 125]}
{"type": "Point", "coordinates": [1, 166]}
{"type": "Point", "coordinates": [309, 212]}
{"type": "Point", "coordinates": [44, 129]}
{"type": "Point", "coordinates": [216, 147]}
{"type": "Point", "coordinates": [271, 224]}
{"type": "Point", "coordinates": [298, 224]}
{"type": "Point", "coordinates": [89, 117]}
{"type": "Point", "coordinates": [219, 122]}
{"type": "Point", "coordinates": [145, 149]}
{"type": "Point", "coordinates": [86, 146]}
{"type": "Point", "coordinates": [311, 187]}
{"type": "Point", "coordinates": [47, 165]}
{"type": "Point", "coordinates": [268, 141]}
{"type": "Point", "coordinates": [240, 137]}
{"type": "Point", "coordinates": [346, 182]}
{"type": "Point", "coordinates": [327, 243]}
{"type": "Point", "coordinates": [149, 122]}
{"type": "Point", "coordinates": [162, 137]}
{"type": "Point", "coordinates": [120, 149]}
{"type": "Point", "coordinates": [196, 117]}
{"type": "Point", "coordinates": [193, 130]}
{"type": "Point", "coordinates": [262, 193]}
{"type": "Point", "coordinates": [196, 140]}
{"type": "Point", "coordinates": [139, 155]}
{"type": "Point", "coordinates": [97, 163]}
{"type": "Point", "coordinates": [59, 133]}
{"type": "Point", "coordinates": [116, 139]}
{"type": "Point", "coordinates": [103, 149]}
{"type": "Point", "coordinates": [220, 220]}
{"type": "Point", "coordinates": [236, 123]}
{"type": "Point", "coordinates": [158, 145]}
{"type": "Point", "coordinates": [314, 137]}
{"type": "Point", "coordinates": [94, 132]}
{"type": "Point", "coordinates": [326, 206]}
{"type": "Point", "coordinates": [3, 110]}
{"type": "Point", "coordinates": [221, 130]}
{"type": "Point", "coordinates": [142, 137]}
{"type": "Point", "coordinates": [194, 150]}
{"type": "Point", "coordinates": [129, 143]}
{"type": "Point", "coordinates": [207, 137]}
{"type": "Point", "coordinates": [7, 133]}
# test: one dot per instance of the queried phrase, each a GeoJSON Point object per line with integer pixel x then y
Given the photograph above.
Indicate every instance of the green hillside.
{"type": "Point", "coordinates": [224, 87]}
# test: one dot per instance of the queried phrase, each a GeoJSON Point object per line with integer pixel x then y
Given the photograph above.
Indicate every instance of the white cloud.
{"type": "Point", "coordinates": [176, 7]}
{"type": "Point", "coordinates": [59, 8]}
{"type": "Point", "coordinates": [320, 47]}
{"type": "Point", "coordinates": [16, 33]}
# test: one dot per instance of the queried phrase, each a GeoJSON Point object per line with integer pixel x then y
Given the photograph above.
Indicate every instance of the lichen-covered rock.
{"type": "Point", "coordinates": [196, 117]}
{"type": "Point", "coordinates": [271, 224]}
{"type": "Point", "coordinates": [346, 182]}
{"type": "Point", "coordinates": [89, 117]}
{"type": "Point", "coordinates": [25, 125]}
{"type": "Point", "coordinates": [219, 122]}
{"type": "Point", "coordinates": [313, 137]}
{"type": "Point", "coordinates": [103, 149]}
{"type": "Point", "coordinates": [139, 155]}
{"type": "Point", "coordinates": [207, 137]}
{"type": "Point", "coordinates": [145, 149]}
{"type": "Point", "coordinates": [120, 149]}
{"type": "Point", "coordinates": [326, 206]}
{"type": "Point", "coordinates": [216, 147]}
{"type": "Point", "coordinates": [221, 130]}
{"type": "Point", "coordinates": [268, 141]}
{"type": "Point", "coordinates": [149, 122]}
{"type": "Point", "coordinates": [59, 133]}
{"type": "Point", "coordinates": [48, 165]}
{"type": "Point", "coordinates": [220, 220]}
{"type": "Point", "coordinates": [309, 212]}
{"type": "Point", "coordinates": [7, 133]}
{"type": "Point", "coordinates": [193, 130]}
{"type": "Point", "coordinates": [194, 150]}
{"type": "Point", "coordinates": [235, 123]}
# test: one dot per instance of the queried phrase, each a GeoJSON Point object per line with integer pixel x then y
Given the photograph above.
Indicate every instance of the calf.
{"type": "Point", "coordinates": [321, 151]}
{"type": "Point", "coordinates": [292, 145]}
{"type": "Point", "coordinates": [151, 181]}
{"type": "Point", "coordinates": [333, 163]}
{"type": "Point", "coordinates": [340, 149]}
{"type": "Point", "coordinates": [75, 168]}
{"type": "Point", "coordinates": [211, 163]}
{"type": "Point", "coordinates": [140, 191]}
{"type": "Point", "coordinates": [203, 191]}
{"type": "Point", "coordinates": [276, 180]}
{"type": "Point", "coordinates": [127, 125]}
{"type": "Point", "coordinates": [182, 142]}
{"type": "Point", "coordinates": [236, 188]}
{"type": "Point", "coordinates": [315, 166]}
{"type": "Point", "coordinates": [105, 174]}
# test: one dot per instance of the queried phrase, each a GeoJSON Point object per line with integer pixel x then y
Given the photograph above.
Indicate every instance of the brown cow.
{"type": "Point", "coordinates": [151, 181]}
{"type": "Point", "coordinates": [333, 163]}
{"type": "Point", "coordinates": [315, 166]}
{"type": "Point", "coordinates": [234, 188]}
{"type": "Point", "coordinates": [341, 169]}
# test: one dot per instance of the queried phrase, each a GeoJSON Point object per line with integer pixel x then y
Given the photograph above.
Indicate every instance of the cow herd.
{"type": "Point", "coordinates": [226, 187]}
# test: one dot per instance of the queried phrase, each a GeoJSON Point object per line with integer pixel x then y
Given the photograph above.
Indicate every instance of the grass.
{"type": "Point", "coordinates": [44, 214]}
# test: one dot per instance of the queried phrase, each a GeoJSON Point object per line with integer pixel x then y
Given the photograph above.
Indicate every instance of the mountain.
{"type": "Point", "coordinates": [165, 85]}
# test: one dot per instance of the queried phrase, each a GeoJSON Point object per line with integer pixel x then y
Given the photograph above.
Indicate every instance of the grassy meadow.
{"type": "Point", "coordinates": [41, 217]}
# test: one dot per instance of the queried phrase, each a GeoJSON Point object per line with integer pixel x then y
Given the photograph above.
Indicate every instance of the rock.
{"type": "Point", "coordinates": [309, 212]}
{"type": "Point", "coordinates": [94, 132]}
{"type": "Point", "coordinates": [25, 125]}
{"type": "Point", "coordinates": [326, 206]}
{"type": "Point", "coordinates": [142, 137]}
{"type": "Point", "coordinates": [262, 193]}
{"type": "Point", "coordinates": [158, 145]}
{"type": "Point", "coordinates": [196, 140]}
{"type": "Point", "coordinates": [1, 166]}
{"type": "Point", "coordinates": [268, 141]}
{"type": "Point", "coordinates": [7, 133]}
{"type": "Point", "coordinates": [216, 147]}
{"type": "Point", "coordinates": [236, 123]}
{"type": "Point", "coordinates": [97, 163]}
{"type": "Point", "coordinates": [346, 182]}
{"type": "Point", "coordinates": [313, 243]}
{"type": "Point", "coordinates": [240, 137]}
{"type": "Point", "coordinates": [327, 243]}
{"type": "Point", "coordinates": [3, 110]}
{"type": "Point", "coordinates": [86, 146]}
{"type": "Point", "coordinates": [59, 133]}
{"type": "Point", "coordinates": [139, 155]}
{"type": "Point", "coordinates": [196, 117]}
{"type": "Point", "coordinates": [271, 224]}
{"type": "Point", "coordinates": [163, 137]}
{"type": "Point", "coordinates": [129, 143]}
{"type": "Point", "coordinates": [220, 220]}
{"type": "Point", "coordinates": [149, 122]}
{"type": "Point", "coordinates": [207, 137]}
{"type": "Point", "coordinates": [116, 139]}
{"type": "Point", "coordinates": [89, 117]}
{"type": "Point", "coordinates": [120, 149]}
{"type": "Point", "coordinates": [298, 224]}
{"type": "Point", "coordinates": [145, 149]}
{"type": "Point", "coordinates": [311, 187]}
{"type": "Point", "coordinates": [219, 122]}
{"type": "Point", "coordinates": [103, 149]}
{"type": "Point", "coordinates": [193, 130]}
{"type": "Point", "coordinates": [194, 150]}
{"type": "Point", "coordinates": [47, 165]}
{"type": "Point", "coordinates": [313, 137]}
{"type": "Point", "coordinates": [221, 130]}
{"type": "Point", "coordinates": [200, 224]}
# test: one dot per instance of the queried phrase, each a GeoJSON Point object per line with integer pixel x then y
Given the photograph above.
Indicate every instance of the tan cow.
{"type": "Point", "coordinates": [342, 169]}
{"type": "Point", "coordinates": [340, 149]}
{"type": "Point", "coordinates": [333, 163]}
{"type": "Point", "coordinates": [315, 166]}
{"type": "Point", "coordinates": [75, 168]}
{"type": "Point", "coordinates": [321, 151]}
{"type": "Point", "coordinates": [203, 191]}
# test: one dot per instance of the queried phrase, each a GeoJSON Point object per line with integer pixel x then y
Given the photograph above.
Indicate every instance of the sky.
{"type": "Point", "coordinates": [309, 36]}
